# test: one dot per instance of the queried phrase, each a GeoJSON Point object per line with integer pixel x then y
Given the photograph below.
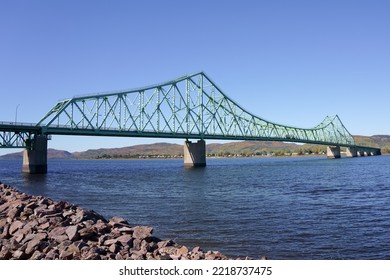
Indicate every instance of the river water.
{"type": "Point", "coordinates": [283, 208]}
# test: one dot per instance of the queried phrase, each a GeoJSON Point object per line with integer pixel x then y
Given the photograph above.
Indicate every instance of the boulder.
{"type": "Point", "coordinates": [114, 248]}
{"type": "Point", "coordinates": [4, 207]}
{"type": "Point", "coordinates": [19, 255]}
{"type": "Point", "coordinates": [58, 234]}
{"type": "Point", "coordinates": [87, 232]}
{"type": "Point", "coordinates": [109, 242]}
{"type": "Point", "coordinates": [182, 251]}
{"type": "Point", "coordinates": [34, 243]}
{"type": "Point", "coordinates": [142, 232]}
{"type": "Point", "coordinates": [73, 232]}
{"type": "Point", "coordinates": [15, 226]}
{"type": "Point", "coordinates": [44, 226]}
{"type": "Point", "coordinates": [118, 220]}
{"type": "Point", "coordinates": [126, 239]}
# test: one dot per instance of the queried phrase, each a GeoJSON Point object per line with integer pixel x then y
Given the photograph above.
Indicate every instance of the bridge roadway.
{"type": "Point", "coordinates": [190, 107]}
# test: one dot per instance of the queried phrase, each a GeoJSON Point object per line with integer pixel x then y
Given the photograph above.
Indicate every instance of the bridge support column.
{"type": "Point", "coordinates": [195, 154]}
{"type": "Point", "coordinates": [35, 158]}
{"type": "Point", "coordinates": [352, 152]}
{"type": "Point", "coordinates": [333, 152]}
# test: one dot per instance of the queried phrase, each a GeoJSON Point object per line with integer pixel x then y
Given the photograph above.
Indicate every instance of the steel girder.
{"type": "Point", "coordinates": [17, 135]}
{"type": "Point", "coordinates": [188, 107]}
{"type": "Point", "coordinates": [9, 139]}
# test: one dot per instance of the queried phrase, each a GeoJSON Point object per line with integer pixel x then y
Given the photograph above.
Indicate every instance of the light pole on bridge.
{"type": "Point", "coordinates": [16, 113]}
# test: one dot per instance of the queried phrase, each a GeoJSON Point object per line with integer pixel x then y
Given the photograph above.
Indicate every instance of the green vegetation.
{"type": "Point", "coordinates": [232, 149]}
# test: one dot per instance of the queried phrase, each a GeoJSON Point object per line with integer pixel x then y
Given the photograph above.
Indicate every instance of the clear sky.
{"type": "Point", "coordinates": [291, 62]}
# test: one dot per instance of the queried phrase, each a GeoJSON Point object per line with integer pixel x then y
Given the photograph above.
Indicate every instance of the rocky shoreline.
{"type": "Point", "coordinates": [35, 228]}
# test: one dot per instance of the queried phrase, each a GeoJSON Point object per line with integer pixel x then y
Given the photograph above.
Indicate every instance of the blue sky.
{"type": "Point", "coordinates": [291, 62]}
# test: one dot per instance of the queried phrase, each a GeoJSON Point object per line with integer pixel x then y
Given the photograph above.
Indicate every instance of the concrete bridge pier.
{"type": "Point", "coordinates": [195, 154]}
{"type": "Point", "coordinates": [35, 158]}
{"type": "Point", "coordinates": [352, 152]}
{"type": "Point", "coordinates": [333, 152]}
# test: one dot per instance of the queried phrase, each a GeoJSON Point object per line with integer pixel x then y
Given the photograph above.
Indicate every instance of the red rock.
{"type": "Point", "coordinates": [80, 244]}
{"type": "Point", "coordinates": [53, 254]}
{"type": "Point", "coordinates": [87, 232]}
{"type": "Point", "coordinates": [142, 232]}
{"type": "Point", "coordinates": [4, 207]}
{"type": "Point", "coordinates": [35, 242]}
{"type": "Point", "coordinates": [165, 243]}
{"type": "Point", "coordinates": [126, 230]}
{"type": "Point", "coordinates": [138, 255]}
{"type": "Point", "coordinates": [67, 213]}
{"type": "Point", "coordinates": [46, 212]}
{"type": "Point", "coordinates": [66, 255]}
{"type": "Point", "coordinates": [196, 257]}
{"type": "Point", "coordinates": [175, 257]}
{"type": "Point", "coordinates": [115, 233]}
{"type": "Point", "coordinates": [14, 212]}
{"type": "Point", "coordinates": [114, 248]}
{"type": "Point", "coordinates": [32, 224]}
{"type": "Point", "coordinates": [32, 245]}
{"type": "Point", "coordinates": [168, 250]}
{"type": "Point", "coordinates": [196, 249]}
{"type": "Point", "coordinates": [109, 242]}
{"type": "Point", "coordinates": [61, 205]}
{"type": "Point", "coordinates": [28, 237]}
{"type": "Point", "coordinates": [3, 222]}
{"type": "Point", "coordinates": [126, 239]}
{"type": "Point", "coordinates": [58, 234]}
{"type": "Point", "coordinates": [44, 226]}
{"type": "Point", "coordinates": [32, 205]}
{"type": "Point", "coordinates": [18, 236]}
{"type": "Point", "coordinates": [45, 201]}
{"type": "Point", "coordinates": [72, 232]}
{"type": "Point", "coordinates": [182, 251]}
{"type": "Point", "coordinates": [118, 220]}
{"type": "Point", "coordinates": [41, 236]}
{"type": "Point", "coordinates": [102, 228]}
{"type": "Point", "coordinates": [5, 253]}
{"type": "Point", "coordinates": [20, 255]}
{"type": "Point", "coordinates": [57, 231]}
{"type": "Point", "coordinates": [5, 233]}
{"type": "Point", "coordinates": [37, 256]}
{"type": "Point", "coordinates": [15, 226]}
{"type": "Point", "coordinates": [74, 250]}
{"type": "Point", "coordinates": [27, 212]}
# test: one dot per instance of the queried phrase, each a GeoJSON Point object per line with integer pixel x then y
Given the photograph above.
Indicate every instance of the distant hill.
{"type": "Point", "coordinates": [51, 154]}
{"type": "Point", "coordinates": [379, 141]}
{"type": "Point", "coordinates": [242, 148]}
{"type": "Point", "coordinates": [249, 148]}
{"type": "Point", "coordinates": [164, 149]}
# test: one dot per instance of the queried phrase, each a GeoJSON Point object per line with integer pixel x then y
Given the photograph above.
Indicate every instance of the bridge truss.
{"type": "Point", "coordinates": [190, 107]}
{"type": "Point", "coordinates": [17, 135]}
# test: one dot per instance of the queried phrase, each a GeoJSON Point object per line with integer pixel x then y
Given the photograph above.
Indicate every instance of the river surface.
{"type": "Point", "coordinates": [283, 208]}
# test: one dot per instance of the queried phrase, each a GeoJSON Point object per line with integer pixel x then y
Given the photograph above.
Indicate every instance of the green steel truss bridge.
{"type": "Point", "coordinates": [189, 107]}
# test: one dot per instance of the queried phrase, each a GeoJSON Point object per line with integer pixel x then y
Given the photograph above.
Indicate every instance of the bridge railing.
{"type": "Point", "coordinates": [16, 124]}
